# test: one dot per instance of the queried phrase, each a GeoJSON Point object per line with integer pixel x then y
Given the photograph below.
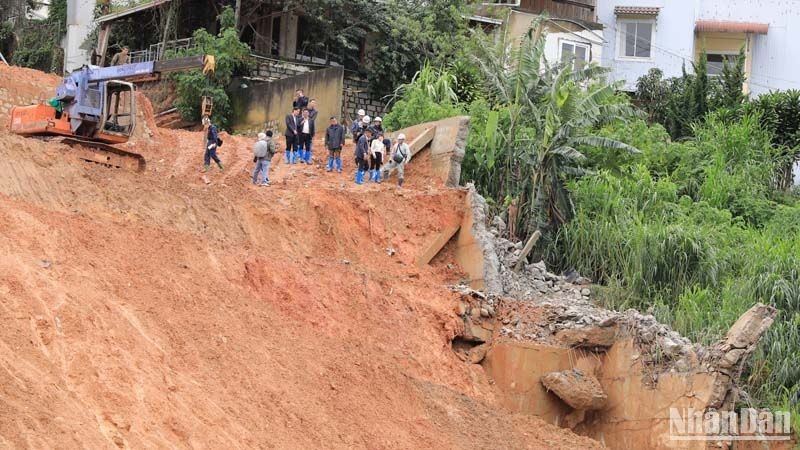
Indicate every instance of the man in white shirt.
{"type": "Point", "coordinates": [376, 158]}
{"type": "Point", "coordinates": [306, 136]}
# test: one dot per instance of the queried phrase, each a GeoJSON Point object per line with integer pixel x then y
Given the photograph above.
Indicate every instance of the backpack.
{"type": "Point", "coordinates": [398, 157]}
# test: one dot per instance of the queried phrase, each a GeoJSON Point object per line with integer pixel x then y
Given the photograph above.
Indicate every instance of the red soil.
{"type": "Point", "coordinates": [159, 310]}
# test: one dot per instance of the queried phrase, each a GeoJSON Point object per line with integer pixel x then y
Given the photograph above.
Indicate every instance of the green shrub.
{"type": "Point", "coordinates": [231, 55]}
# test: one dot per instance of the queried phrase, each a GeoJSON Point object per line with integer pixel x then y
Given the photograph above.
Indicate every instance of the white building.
{"type": "Point", "coordinates": [668, 34]}
{"type": "Point", "coordinates": [80, 18]}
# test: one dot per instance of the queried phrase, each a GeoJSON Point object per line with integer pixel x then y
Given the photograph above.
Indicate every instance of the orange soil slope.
{"type": "Point", "coordinates": [158, 310]}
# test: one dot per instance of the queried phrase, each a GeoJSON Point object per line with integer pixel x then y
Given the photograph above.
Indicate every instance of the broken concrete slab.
{"type": "Point", "coordinates": [577, 389]}
{"type": "Point", "coordinates": [727, 357]}
{"type": "Point", "coordinates": [436, 245]}
{"type": "Point", "coordinates": [595, 338]}
{"type": "Point", "coordinates": [475, 251]}
{"type": "Point", "coordinates": [447, 140]}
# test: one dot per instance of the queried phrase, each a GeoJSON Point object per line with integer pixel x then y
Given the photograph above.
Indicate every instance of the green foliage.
{"type": "Point", "coordinates": [651, 93]}
{"type": "Point", "coordinates": [780, 115]}
{"type": "Point", "coordinates": [679, 103]}
{"type": "Point", "coordinates": [400, 35]}
{"type": "Point", "coordinates": [429, 96]}
{"type": "Point", "coordinates": [732, 79]}
{"type": "Point", "coordinates": [700, 87]}
{"type": "Point", "coordinates": [231, 55]}
{"type": "Point", "coordinates": [692, 232]}
{"type": "Point", "coordinates": [411, 33]}
{"type": "Point", "coordinates": [39, 42]}
{"type": "Point", "coordinates": [526, 145]}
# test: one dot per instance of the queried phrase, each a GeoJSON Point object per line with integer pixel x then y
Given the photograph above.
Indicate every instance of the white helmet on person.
{"type": "Point", "coordinates": [366, 120]}
{"type": "Point", "coordinates": [401, 137]}
{"type": "Point", "coordinates": [361, 113]}
{"type": "Point", "coordinates": [378, 119]}
{"type": "Point", "coordinates": [262, 136]}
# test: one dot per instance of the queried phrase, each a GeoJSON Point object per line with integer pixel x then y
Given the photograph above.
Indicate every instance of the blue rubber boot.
{"type": "Point", "coordinates": [330, 163]}
{"type": "Point", "coordinates": [288, 157]}
{"type": "Point", "coordinates": [294, 157]}
{"type": "Point", "coordinates": [339, 165]}
{"type": "Point", "coordinates": [308, 157]}
{"type": "Point", "coordinates": [359, 177]}
{"type": "Point", "coordinates": [377, 176]}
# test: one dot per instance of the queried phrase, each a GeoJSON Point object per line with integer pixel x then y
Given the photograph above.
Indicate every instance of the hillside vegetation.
{"type": "Point", "coordinates": [684, 212]}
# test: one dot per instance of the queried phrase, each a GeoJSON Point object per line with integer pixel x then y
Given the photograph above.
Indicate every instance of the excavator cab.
{"type": "Point", "coordinates": [118, 117]}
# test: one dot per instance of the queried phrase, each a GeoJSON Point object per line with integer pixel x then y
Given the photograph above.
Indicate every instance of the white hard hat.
{"type": "Point", "coordinates": [366, 120]}
{"type": "Point", "coordinates": [361, 112]}
{"type": "Point", "coordinates": [401, 137]}
{"type": "Point", "coordinates": [262, 136]}
{"type": "Point", "coordinates": [378, 119]}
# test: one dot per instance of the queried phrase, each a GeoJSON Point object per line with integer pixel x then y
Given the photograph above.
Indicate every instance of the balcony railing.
{"type": "Point", "coordinates": [156, 51]}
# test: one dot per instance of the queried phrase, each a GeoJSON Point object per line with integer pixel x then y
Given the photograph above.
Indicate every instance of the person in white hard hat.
{"type": "Point", "coordinates": [355, 127]}
{"type": "Point", "coordinates": [398, 157]}
{"type": "Point", "coordinates": [377, 128]}
{"type": "Point", "coordinates": [362, 127]}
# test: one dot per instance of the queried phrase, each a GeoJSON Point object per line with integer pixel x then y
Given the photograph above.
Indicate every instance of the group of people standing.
{"type": "Point", "coordinates": [371, 145]}
{"type": "Point", "coordinates": [368, 135]}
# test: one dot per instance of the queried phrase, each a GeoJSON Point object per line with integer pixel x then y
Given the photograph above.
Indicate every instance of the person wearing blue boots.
{"type": "Point", "coordinates": [292, 135]}
{"type": "Point", "coordinates": [306, 136]}
{"type": "Point", "coordinates": [376, 150]}
{"type": "Point", "coordinates": [362, 152]}
{"type": "Point", "coordinates": [334, 141]}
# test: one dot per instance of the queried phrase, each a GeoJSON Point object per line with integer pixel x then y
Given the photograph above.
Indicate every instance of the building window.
{"type": "Point", "coordinates": [574, 53]}
{"type": "Point", "coordinates": [717, 60]}
{"type": "Point", "coordinates": [636, 38]}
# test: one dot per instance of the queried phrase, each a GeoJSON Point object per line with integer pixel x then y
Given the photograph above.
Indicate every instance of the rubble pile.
{"type": "Point", "coordinates": [543, 306]}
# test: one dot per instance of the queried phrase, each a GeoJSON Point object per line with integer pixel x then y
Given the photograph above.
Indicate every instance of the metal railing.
{"type": "Point", "coordinates": [156, 51]}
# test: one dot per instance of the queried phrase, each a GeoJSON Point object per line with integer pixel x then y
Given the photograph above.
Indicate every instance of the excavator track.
{"type": "Point", "coordinates": [105, 154]}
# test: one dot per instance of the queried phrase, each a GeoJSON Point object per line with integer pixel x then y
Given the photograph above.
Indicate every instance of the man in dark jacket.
{"type": "Point", "coordinates": [212, 139]}
{"type": "Point", "coordinates": [300, 100]}
{"type": "Point", "coordinates": [377, 128]}
{"type": "Point", "coordinates": [312, 109]}
{"type": "Point", "coordinates": [334, 141]}
{"type": "Point", "coordinates": [306, 136]}
{"type": "Point", "coordinates": [292, 134]}
{"type": "Point", "coordinates": [362, 152]}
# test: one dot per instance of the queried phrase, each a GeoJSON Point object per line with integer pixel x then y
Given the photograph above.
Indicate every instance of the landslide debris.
{"type": "Point", "coordinates": [172, 312]}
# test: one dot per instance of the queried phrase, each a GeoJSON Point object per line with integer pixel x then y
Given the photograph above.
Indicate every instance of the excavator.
{"type": "Point", "coordinates": [95, 108]}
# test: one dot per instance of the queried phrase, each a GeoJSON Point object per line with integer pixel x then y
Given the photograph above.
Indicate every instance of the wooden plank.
{"type": "Point", "coordinates": [437, 245]}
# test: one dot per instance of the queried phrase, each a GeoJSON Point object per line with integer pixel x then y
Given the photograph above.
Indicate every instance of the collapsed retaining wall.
{"type": "Point", "coordinates": [522, 327]}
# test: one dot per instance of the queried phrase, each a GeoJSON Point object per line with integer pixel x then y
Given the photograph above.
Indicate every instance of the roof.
{"type": "Point", "coordinates": [727, 26]}
{"type": "Point", "coordinates": [636, 10]}
{"type": "Point", "coordinates": [134, 10]}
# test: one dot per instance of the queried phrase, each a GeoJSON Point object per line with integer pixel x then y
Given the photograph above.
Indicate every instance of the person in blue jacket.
{"type": "Point", "coordinates": [212, 142]}
{"type": "Point", "coordinates": [362, 153]}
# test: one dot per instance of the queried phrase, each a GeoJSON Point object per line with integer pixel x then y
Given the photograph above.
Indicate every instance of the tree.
{"type": "Point", "coordinates": [399, 35]}
{"type": "Point", "coordinates": [231, 55]}
{"type": "Point", "coordinates": [38, 44]}
{"type": "Point", "coordinates": [779, 113]}
{"type": "Point", "coordinates": [651, 95]}
{"type": "Point", "coordinates": [700, 87]}
{"type": "Point", "coordinates": [549, 113]}
{"type": "Point", "coordinates": [731, 82]}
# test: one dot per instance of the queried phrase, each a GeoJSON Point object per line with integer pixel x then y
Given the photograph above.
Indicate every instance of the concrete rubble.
{"type": "Point", "coordinates": [534, 330]}
{"type": "Point", "coordinates": [577, 389]}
